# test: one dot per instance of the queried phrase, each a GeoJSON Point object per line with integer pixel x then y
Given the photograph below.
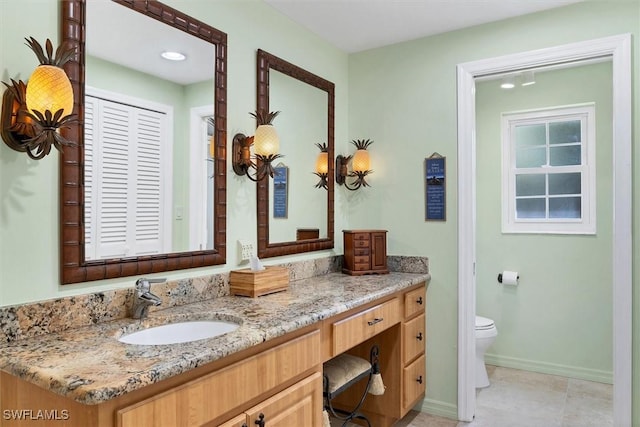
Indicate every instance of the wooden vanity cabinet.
{"type": "Point", "coordinates": [278, 382]}
{"type": "Point", "coordinates": [402, 343]}
{"type": "Point", "coordinates": [201, 401]}
{"type": "Point", "coordinates": [414, 338]}
{"type": "Point", "coordinates": [296, 406]}
{"type": "Point", "coordinates": [365, 252]}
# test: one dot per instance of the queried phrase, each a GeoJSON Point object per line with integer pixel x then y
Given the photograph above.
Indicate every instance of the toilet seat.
{"type": "Point", "coordinates": [484, 324]}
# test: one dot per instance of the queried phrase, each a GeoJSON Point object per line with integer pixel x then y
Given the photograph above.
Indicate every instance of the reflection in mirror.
{"type": "Point", "coordinates": [151, 195]}
{"type": "Point", "coordinates": [138, 138]}
{"type": "Point", "coordinates": [307, 104]}
{"type": "Point", "coordinates": [302, 125]}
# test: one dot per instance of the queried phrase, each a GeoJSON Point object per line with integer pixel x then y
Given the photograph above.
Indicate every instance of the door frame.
{"type": "Point", "coordinates": [618, 48]}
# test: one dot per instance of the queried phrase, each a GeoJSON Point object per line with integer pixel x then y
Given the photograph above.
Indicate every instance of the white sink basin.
{"type": "Point", "coordinates": [181, 332]}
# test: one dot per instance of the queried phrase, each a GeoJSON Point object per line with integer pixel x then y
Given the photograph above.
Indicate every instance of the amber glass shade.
{"type": "Point", "coordinates": [49, 88]}
{"type": "Point", "coordinates": [266, 141]}
{"type": "Point", "coordinates": [322, 162]}
{"type": "Point", "coordinates": [212, 147]}
{"type": "Point", "coordinates": [361, 161]}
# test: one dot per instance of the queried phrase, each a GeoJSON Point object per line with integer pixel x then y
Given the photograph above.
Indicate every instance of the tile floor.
{"type": "Point", "coordinates": [528, 399]}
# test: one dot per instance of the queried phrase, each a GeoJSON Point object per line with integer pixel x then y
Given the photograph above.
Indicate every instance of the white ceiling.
{"type": "Point", "coordinates": [357, 25]}
{"type": "Point", "coordinates": [350, 25]}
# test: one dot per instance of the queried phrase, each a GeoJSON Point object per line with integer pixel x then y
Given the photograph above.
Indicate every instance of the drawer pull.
{"type": "Point", "coordinates": [374, 321]}
{"type": "Point", "coordinates": [419, 300]}
{"type": "Point", "coordinates": [419, 336]}
{"type": "Point", "coordinates": [244, 425]}
{"type": "Point", "coordinates": [419, 379]}
{"type": "Point", "coordinates": [260, 422]}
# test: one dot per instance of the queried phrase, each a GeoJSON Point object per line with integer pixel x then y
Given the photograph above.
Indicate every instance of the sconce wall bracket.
{"type": "Point", "coordinates": [17, 127]}
{"type": "Point", "coordinates": [240, 154]}
{"type": "Point", "coordinates": [342, 163]}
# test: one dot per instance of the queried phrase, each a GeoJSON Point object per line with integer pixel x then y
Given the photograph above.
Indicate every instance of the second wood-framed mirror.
{"type": "Point", "coordinates": [309, 103]}
{"type": "Point", "coordinates": [79, 261]}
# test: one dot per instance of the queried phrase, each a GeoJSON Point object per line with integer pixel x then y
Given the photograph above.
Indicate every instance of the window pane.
{"type": "Point", "coordinates": [531, 157]}
{"type": "Point", "coordinates": [564, 132]}
{"type": "Point", "coordinates": [565, 155]}
{"type": "Point", "coordinates": [530, 208]}
{"type": "Point", "coordinates": [530, 185]}
{"type": "Point", "coordinates": [527, 135]}
{"type": "Point", "coordinates": [565, 207]}
{"type": "Point", "coordinates": [564, 183]}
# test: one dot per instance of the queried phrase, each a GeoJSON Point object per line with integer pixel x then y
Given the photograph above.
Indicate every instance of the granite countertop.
{"type": "Point", "coordinates": [91, 366]}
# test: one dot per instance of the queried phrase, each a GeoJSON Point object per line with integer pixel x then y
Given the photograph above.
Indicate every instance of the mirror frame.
{"type": "Point", "coordinates": [265, 63]}
{"type": "Point", "coordinates": [73, 266]}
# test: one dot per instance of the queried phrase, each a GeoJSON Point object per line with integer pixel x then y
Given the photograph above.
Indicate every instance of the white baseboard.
{"type": "Point", "coordinates": [550, 368]}
{"type": "Point", "coordinates": [438, 408]}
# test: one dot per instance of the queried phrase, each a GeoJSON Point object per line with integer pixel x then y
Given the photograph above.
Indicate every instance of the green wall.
{"type": "Point", "coordinates": [559, 319]}
{"type": "Point", "coordinates": [29, 189]}
{"type": "Point", "coordinates": [404, 97]}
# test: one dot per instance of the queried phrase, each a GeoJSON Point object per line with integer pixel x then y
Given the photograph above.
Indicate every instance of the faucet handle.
{"type": "Point", "coordinates": [143, 284]}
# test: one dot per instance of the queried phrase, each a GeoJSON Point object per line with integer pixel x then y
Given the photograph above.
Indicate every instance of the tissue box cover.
{"type": "Point", "coordinates": [256, 283]}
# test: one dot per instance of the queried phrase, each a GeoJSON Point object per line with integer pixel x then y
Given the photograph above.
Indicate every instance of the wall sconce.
{"type": "Point", "coordinates": [266, 145]}
{"type": "Point", "coordinates": [322, 165]}
{"type": "Point", "coordinates": [32, 113]}
{"type": "Point", "coordinates": [361, 163]}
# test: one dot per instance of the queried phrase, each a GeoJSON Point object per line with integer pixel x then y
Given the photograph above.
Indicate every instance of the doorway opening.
{"type": "Point", "coordinates": [617, 48]}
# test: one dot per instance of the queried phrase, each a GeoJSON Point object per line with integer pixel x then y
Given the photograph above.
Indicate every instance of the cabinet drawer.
{"type": "Point", "coordinates": [414, 335]}
{"type": "Point", "coordinates": [241, 382]}
{"type": "Point", "coordinates": [361, 267]}
{"type": "Point", "coordinates": [415, 301]}
{"type": "Point", "coordinates": [360, 236]}
{"type": "Point", "coordinates": [361, 243]}
{"type": "Point", "coordinates": [361, 252]}
{"type": "Point", "coordinates": [414, 382]}
{"type": "Point", "coordinates": [361, 259]}
{"type": "Point", "coordinates": [362, 326]}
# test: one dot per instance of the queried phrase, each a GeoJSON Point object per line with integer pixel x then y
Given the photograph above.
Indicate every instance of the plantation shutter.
{"type": "Point", "coordinates": [125, 210]}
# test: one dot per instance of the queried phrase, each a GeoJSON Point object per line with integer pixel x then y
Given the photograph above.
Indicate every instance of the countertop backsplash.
{"type": "Point", "coordinates": [56, 315]}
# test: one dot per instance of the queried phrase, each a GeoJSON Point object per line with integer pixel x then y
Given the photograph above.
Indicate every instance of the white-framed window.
{"type": "Point", "coordinates": [548, 170]}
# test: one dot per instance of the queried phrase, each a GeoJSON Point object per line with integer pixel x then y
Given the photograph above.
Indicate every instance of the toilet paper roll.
{"type": "Point", "coordinates": [508, 278]}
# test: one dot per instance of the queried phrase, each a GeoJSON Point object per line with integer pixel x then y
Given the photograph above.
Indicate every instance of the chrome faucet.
{"type": "Point", "coordinates": [143, 298]}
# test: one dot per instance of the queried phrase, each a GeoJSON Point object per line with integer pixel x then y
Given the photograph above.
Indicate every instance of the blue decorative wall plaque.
{"type": "Point", "coordinates": [280, 186]}
{"type": "Point", "coordinates": [435, 188]}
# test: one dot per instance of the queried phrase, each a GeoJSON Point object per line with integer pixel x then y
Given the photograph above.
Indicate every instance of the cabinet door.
{"type": "Point", "coordinates": [298, 405]}
{"type": "Point", "coordinates": [415, 383]}
{"type": "Point", "coordinates": [239, 421]}
{"type": "Point", "coordinates": [378, 251]}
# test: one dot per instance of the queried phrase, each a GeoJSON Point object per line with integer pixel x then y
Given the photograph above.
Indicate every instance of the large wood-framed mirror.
{"type": "Point", "coordinates": [198, 122]}
{"type": "Point", "coordinates": [306, 102]}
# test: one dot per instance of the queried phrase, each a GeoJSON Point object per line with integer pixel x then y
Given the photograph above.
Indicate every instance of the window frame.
{"type": "Point", "coordinates": [587, 169]}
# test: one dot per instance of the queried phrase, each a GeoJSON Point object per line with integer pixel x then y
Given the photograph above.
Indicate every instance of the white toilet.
{"type": "Point", "coordinates": [486, 334]}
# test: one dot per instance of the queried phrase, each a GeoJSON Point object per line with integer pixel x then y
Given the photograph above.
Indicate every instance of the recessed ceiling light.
{"type": "Point", "coordinates": [508, 83]}
{"type": "Point", "coordinates": [173, 56]}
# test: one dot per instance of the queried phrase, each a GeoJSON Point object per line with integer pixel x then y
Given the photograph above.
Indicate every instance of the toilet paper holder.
{"type": "Point", "coordinates": [500, 277]}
